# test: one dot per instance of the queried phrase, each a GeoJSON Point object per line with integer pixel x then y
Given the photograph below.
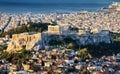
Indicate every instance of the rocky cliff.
{"type": "Point", "coordinates": [25, 40]}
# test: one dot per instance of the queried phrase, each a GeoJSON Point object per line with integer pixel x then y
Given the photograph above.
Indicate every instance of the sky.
{"type": "Point", "coordinates": [59, 1]}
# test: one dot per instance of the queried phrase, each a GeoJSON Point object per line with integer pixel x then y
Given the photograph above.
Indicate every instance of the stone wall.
{"type": "Point", "coordinates": [82, 39]}
{"type": "Point", "coordinates": [38, 40]}
{"type": "Point", "coordinates": [26, 36]}
{"type": "Point", "coordinates": [23, 40]}
{"type": "Point", "coordinates": [53, 29]}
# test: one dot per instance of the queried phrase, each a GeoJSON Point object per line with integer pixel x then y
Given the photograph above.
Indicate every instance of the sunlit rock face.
{"type": "Point", "coordinates": [24, 40]}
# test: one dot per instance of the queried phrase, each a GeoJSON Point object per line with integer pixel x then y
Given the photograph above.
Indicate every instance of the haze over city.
{"type": "Point", "coordinates": [59, 37]}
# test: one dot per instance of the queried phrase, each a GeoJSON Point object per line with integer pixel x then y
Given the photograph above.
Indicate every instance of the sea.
{"type": "Point", "coordinates": [49, 7]}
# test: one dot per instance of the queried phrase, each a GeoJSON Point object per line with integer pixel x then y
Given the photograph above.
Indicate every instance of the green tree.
{"type": "Point", "coordinates": [83, 54]}
{"type": "Point", "coordinates": [70, 45]}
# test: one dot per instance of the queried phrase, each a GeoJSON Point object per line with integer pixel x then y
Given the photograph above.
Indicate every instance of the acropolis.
{"type": "Point", "coordinates": [24, 40]}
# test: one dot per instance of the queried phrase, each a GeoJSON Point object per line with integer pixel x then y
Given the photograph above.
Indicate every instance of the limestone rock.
{"type": "Point", "coordinates": [24, 40]}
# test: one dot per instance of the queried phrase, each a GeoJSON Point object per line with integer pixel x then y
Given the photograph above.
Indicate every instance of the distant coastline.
{"type": "Point", "coordinates": [48, 8]}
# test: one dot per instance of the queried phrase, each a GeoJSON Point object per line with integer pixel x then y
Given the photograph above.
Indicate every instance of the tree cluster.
{"type": "Point", "coordinates": [29, 27]}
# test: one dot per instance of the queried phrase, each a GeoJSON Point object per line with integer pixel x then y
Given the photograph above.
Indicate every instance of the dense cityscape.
{"type": "Point", "coordinates": [81, 19]}
{"type": "Point", "coordinates": [80, 42]}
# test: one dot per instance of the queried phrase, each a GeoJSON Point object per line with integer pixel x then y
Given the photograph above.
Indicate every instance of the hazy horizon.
{"type": "Point", "coordinates": [45, 6]}
{"type": "Point", "coordinates": [57, 1]}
